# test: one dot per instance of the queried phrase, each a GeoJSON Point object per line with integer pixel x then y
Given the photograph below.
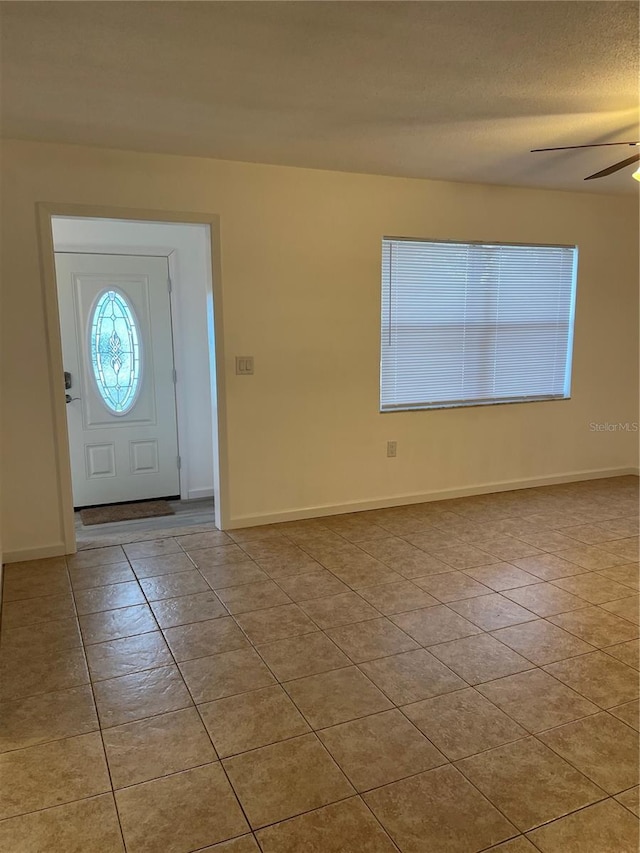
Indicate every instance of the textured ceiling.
{"type": "Point", "coordinates": [450, 90]}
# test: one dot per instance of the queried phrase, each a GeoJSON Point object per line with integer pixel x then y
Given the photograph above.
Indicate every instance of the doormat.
{"type": "Point", "coordinates": [124, 512]}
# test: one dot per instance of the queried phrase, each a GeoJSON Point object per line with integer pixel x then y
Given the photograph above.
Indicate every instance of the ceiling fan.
{"type": "Point", "coordinates": [610, 169]}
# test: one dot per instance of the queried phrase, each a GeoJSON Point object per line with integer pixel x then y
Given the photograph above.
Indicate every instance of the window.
{"type": "Point", "coordinates": [467, 324]}
{"type": "Point", "coordinates": [115, 351]}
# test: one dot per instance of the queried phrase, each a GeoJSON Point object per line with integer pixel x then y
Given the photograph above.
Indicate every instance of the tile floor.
{"type": "Point", "coordinates": [450, 677]}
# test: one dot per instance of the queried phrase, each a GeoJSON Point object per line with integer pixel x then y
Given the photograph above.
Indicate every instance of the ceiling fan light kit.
{"type": "Point", "coordinates": [610, 169]}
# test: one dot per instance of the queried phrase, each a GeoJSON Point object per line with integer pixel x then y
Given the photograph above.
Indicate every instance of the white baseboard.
{"type": "Point", "coordinates": [57, 549]}
{"type": "Point", "coordinates": [423, 497]}
{"type": "Point", "coordinates": [198, 494]}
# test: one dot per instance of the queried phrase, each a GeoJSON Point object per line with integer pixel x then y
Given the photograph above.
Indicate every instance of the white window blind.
{"type": "Point", "coordinates": [470, 324]}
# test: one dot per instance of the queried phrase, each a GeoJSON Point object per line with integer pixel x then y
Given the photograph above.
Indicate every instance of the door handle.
{"type": "Point", "coordinates": [69, 399]}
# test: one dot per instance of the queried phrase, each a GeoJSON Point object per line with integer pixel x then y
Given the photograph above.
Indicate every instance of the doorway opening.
{"type": "Point", "coordinates": [138, 342]}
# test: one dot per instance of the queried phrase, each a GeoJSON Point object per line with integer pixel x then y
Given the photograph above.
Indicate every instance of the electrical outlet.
{"type": "Point", "coordinates": [392, 448]}
{"type": "Point", "coordinates": [244, 365]}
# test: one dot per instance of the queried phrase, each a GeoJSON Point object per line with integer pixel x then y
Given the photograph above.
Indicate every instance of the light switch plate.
{"type": "Point", "coordinates": [244, 365]}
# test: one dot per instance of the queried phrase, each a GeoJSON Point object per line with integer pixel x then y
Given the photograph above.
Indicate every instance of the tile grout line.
{"type": "Point", "coordinates": [529, 734]}
{"type": "Point", "coordinates": [95, 705]}
{"type": "Point", "coordinates": [323, 631]}
{"type": "Point", "coordinates": [202, 722]}
{"type": "Point", "coordinates": [160, 630]}
{"type": "Point", "coordinates": [489, 632]}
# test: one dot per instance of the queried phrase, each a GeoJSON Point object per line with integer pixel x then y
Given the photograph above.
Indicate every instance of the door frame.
{"type": "Point", "coordinates": [45, 211]}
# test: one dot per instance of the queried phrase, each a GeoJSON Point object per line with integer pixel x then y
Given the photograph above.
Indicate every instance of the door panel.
{"type": "Point", "coordinates": [117, 345]}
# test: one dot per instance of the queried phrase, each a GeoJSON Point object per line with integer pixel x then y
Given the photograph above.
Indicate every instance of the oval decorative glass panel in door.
{"type": "Point", "coordinates": [115, 351]}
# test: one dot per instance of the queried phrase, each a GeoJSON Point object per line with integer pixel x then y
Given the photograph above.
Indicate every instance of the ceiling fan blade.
{"type": "Point", "coordinates": [615, 168]}
{"type": "Point", "coordinates": [592, 145]}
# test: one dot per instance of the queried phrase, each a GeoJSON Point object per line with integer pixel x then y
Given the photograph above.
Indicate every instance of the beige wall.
{"type": "Point", "coordinates": [300, 277]}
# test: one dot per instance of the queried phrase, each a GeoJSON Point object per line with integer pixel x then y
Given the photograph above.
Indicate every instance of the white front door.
{"type": "Point", "coordinates": [117, 347]}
